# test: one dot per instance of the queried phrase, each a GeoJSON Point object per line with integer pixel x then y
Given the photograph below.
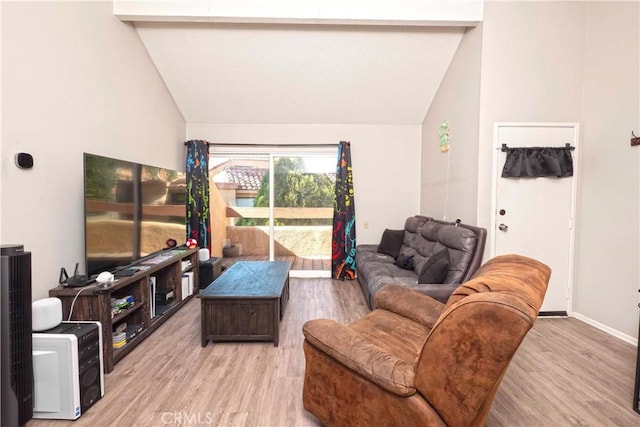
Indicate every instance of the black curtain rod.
{"type": "Point", "coordinates": [567, 145]}
{"type": "Point", "coordinates": [270, 145]}
{"type": "Point", "coordinates": [274, 145]}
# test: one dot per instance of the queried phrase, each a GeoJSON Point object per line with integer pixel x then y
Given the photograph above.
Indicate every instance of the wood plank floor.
{"type": "Point", "coordinates": [566, 373]}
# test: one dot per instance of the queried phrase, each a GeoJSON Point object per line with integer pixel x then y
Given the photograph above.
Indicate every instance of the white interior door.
{"type": "Point", "coordinates": [535, 216]}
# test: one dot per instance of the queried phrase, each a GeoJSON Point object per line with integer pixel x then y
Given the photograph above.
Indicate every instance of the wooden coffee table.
{"type": "Point", "coordinates": [246, 302]}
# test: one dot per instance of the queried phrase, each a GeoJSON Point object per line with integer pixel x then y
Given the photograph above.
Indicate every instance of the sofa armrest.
{"type": "Point", "coordinates": [360, 355]}
{"type": "Point", "coordinates": [409, 303]}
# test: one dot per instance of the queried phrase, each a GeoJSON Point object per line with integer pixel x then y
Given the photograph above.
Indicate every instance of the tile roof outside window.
{"type": "Point", "coordinates": [247, 177]}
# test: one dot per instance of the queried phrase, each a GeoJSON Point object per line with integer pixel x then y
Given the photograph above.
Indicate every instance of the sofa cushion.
{"type": "Point", "coordinates": [363, 355]}
{"type": "Point", "coordinates": [436, 268]}
{"type": "Point", "coordinates": [378, 282]}
{"type": "Point", "coordinates": [461, 243]}
{"type": "Point", "coordinates": [414, 223]}
{"type": "Point", "coordinates": [364, 257]}
{"type": "Point", "coordinates": [391, 242]}
{"type": "Point", "coordinates": [397, 335]}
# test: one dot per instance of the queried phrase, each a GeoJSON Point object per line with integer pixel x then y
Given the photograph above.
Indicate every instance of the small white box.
{"type": "Point", "coordinates": [152, 296]}
{"type": "Point", "coordinates": [191, 282]}
{"type": "Point", "coordinates": [185, 286]}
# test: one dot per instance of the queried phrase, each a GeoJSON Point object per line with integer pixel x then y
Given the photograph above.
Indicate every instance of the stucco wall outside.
{"type": "Point", "coordinates": [290, 240]}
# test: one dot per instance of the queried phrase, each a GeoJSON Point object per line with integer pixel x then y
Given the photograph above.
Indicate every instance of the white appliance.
{"type": "Point", "coordinates": [152, 296]}
{"type": "Point", "coordinates": [68, 370]}
{"type": "Point", "coordinates": [187, 284]}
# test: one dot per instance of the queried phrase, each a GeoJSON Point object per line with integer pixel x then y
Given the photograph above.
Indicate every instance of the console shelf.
{"type": "Point", "coordinates": [118, 317]}
{"type": "Point", "coordinates": [93, 302]}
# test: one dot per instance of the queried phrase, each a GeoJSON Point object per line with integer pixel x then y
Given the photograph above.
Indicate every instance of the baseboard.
{"type": "Point", "coordinates": [624, 337]}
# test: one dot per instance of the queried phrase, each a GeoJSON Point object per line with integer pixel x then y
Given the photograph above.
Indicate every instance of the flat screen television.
{"type": "Point", "coordinates": [130, 211]}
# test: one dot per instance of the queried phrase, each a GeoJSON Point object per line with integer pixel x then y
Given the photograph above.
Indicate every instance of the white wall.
{"type": "Point", "coordinates": [74, 79]}
{"type": "Point", "coordinates": [450, 180]}
{"type": "Point", "coordinates": [532, 66]}
{"type": "Point", "coordinates": [386, 164]}
{"type": "Point", "coordinates": [575, 62]}
{"type": "Point", "coordinates": [607, 272]}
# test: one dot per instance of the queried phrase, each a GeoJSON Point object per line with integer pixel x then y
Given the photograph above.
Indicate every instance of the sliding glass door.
{"type": "Point", "coordinates": [303, 209]}
{"type": "Point", "coordinates": [290, 219]}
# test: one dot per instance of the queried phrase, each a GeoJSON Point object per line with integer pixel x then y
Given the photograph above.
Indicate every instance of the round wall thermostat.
{"type": "Point", "coordinates": [24, 160]}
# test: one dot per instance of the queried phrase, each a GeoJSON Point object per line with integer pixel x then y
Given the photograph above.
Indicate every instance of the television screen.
{"type": "Point", "coordinates": [131, 210]}
{"type": "Point", "coordinates": [110, 218]}
{"type": "Point", "coordinates": [163, 195]}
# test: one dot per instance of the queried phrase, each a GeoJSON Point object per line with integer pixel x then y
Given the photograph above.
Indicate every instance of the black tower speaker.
{"type": "Point", "coordinates": [15, 335]}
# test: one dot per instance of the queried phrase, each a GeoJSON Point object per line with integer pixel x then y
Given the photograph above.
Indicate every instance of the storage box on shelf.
{"type": "Point", "coordinates": [135, 305]}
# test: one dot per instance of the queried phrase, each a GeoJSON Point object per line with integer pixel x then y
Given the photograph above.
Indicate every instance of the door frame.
{"type": "Point", "coordinates": [497, 145]}
{"type": "Point", "coordinates": [270, 152]}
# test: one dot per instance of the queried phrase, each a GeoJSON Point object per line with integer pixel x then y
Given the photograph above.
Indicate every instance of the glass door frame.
{"type": "Point", "coordinates": [273, 151]}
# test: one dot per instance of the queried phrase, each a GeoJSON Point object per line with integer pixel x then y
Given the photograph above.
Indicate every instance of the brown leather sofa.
{"type": "Point", "coordinates": [414, 361]}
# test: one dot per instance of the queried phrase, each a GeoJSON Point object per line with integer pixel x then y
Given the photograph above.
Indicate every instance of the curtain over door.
{"type": "Point", "coordinates": [343, 245]}
{"type": "Point", "coordinates": [198, 223]}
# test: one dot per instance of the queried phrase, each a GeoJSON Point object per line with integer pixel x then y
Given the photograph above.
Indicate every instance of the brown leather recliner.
{"type": "Point", "coordinates": [414, 361]}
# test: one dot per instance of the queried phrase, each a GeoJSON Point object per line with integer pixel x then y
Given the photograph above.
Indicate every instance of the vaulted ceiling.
{"type": "Point", "coordinates": [265, 73]}
{"type": "Point", "coordinates": [293, 62]}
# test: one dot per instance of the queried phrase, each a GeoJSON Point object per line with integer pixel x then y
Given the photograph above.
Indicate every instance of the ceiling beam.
{"type": "Point", "coordinates": [415, 13]}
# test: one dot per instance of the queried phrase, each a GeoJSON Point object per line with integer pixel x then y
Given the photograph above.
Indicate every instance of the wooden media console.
{"type": "Point", "coordinates": [156, 290]}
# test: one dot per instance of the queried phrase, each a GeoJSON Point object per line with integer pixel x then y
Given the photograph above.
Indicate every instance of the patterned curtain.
{"type": "Point", "coordinates": [198, 223]}
{"type": "Point", "coordinates": [343, 243]}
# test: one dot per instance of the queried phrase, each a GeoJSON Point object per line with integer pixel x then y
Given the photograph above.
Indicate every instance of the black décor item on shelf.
{"type": "Point", "coordinates": [16, 373]}
{"type": "Point", "coordinates": [125, 272]}
{"type": "Point", "coordinates": [133, 330]}
{"type": "Point", "coordinates": [164, 296]}
{"type": "Point", "coordinates": [208, 271]}
{"type": "Point", "coordinates": [73, 281]}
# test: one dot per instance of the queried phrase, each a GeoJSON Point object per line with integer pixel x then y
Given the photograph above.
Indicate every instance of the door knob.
{"type": "Point", "coordinates": [503, 227]}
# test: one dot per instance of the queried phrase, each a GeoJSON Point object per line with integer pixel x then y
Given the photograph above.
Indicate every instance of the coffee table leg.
{"type": "Point", "coordinates": [203, 323]}
{"type": "Point", "coordinates": [276, 322]}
